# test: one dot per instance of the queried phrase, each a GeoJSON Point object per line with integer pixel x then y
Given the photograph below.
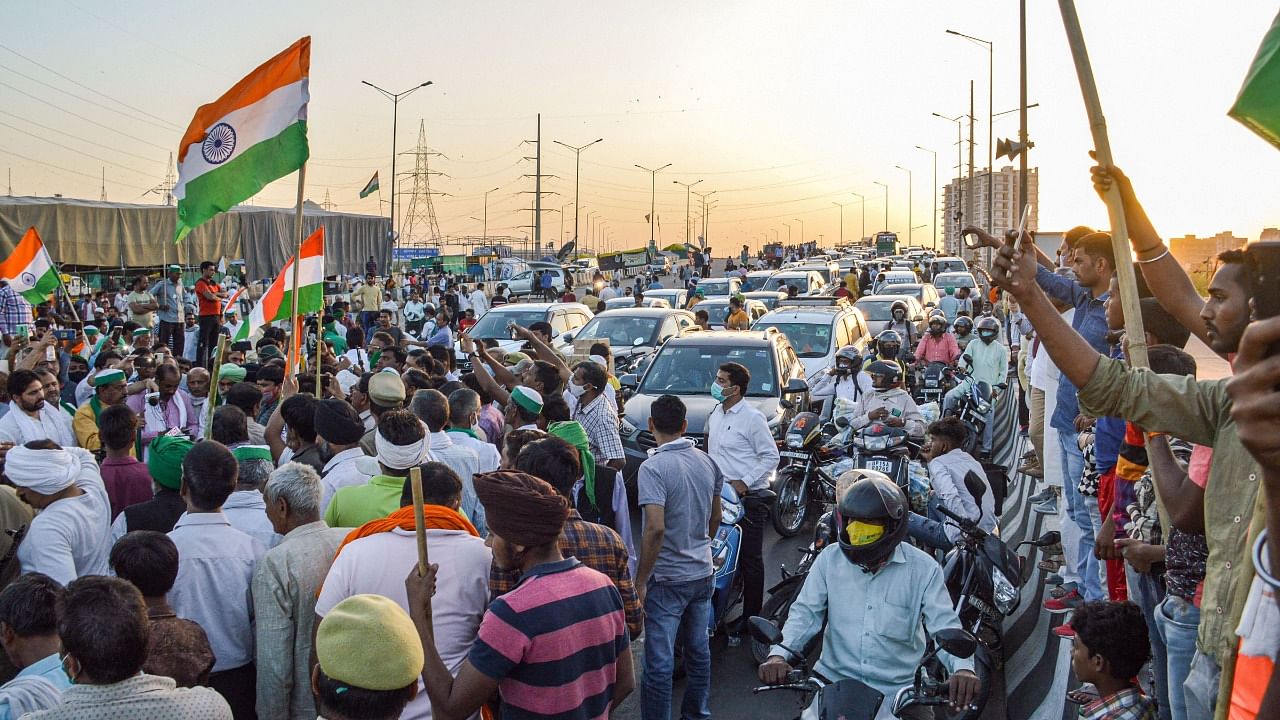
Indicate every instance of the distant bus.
{"type": "Point", "coordinates": [886, 243]}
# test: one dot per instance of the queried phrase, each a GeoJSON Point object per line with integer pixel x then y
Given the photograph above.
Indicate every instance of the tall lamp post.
{"type": "Point", "coordinates": [841, 206]}
{"type": "Point", "coordinates": [991, 85]}
{"type": "Point", "coordinates": [935, 194]}
{"type": "Point", "coordinates": [910, 204]}
{"type": "Point", "coordinates": [863, 199]}
{"type": "Point", "coordinates": [577, 172]}
{"type": "Point", "coordinates": [688, 197]}
{"type": "Point", "coordinates": [486, 215]}
{"type": "Point", "coordinates": [395, 115]}
{"type": "Point", "coordinates": [788, 226]}
{"type": "Point", "coordinates": [653, 200]}
{"type": "Point", "coordinates": [959, 205]}
{"type": "Point", "coordinates": [801, 229]}
{"type": "Point", "coordinates": [886, 203]}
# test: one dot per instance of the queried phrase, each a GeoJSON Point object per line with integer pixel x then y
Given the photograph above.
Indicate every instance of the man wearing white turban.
{"type": "Point", "coordinates": [71, 535]}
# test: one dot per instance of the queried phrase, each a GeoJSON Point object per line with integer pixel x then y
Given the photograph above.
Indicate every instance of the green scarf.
{"type": "Point", "coordinates": [572, 432]}
{"type": "Point", "coordinates": [464, 431]}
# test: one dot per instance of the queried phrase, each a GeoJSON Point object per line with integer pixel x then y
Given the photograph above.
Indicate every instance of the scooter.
{"type": "Point", "coordinates": [887, 449]}
{"type": "Point", "coordinates": [851, 699]}
{"type": "Point", "coordinates": [935, 380]}
{"type": "Point", "coordinates": [726, 591]}
{"type": "Point", "coordinates": [983, 577]}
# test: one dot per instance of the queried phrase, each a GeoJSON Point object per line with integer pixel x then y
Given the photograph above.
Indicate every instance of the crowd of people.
{"type": "Point", "coordinates": [189, 536]}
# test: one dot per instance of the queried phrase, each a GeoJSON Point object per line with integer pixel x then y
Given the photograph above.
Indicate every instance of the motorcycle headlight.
{"type": "Point", "coordinates": [627, 428]}
{"type": "Point", "coordinates": [795, 441]}
{"type": "Point", "coordinates": [876, 443]}
{"type": "Point", "coordinates": [983, 408]}
{"type": "Point", "coordinates": [1004, 593]}
{"type": "Point", "coordinates": [895, 441]}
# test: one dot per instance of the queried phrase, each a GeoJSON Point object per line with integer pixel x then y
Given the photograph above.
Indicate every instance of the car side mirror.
{"type": "Point", "coordinates": [842, 422]}
{"type": "Point", "coordinates": [795, 386]}
{"type": "Point", "coordinates": [630, 380]}
{"type": "Point", "coordinates": [567, 337]}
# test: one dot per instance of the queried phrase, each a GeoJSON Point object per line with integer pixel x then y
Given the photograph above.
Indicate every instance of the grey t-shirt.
{"type": "Point", "coordinates": [684, 481]}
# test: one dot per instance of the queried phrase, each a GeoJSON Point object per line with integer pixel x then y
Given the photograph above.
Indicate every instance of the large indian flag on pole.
{"type": "Point", "coordinates": [254, 134]}
{"type": "Point", "coordinates": [29, 269]}
{"type": "Point", "coordinates": [277, 302]}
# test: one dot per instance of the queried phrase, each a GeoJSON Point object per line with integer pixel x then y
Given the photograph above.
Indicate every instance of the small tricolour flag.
{"type": "Point", "coordinates": [232, 300]}
{"type": "Point", "coordinates": [254, 134]}
{"type": "Point", "coordinates": [371, 187]}
{"type": "Point", "coordinates": [277, 302]}
{"type": "Point", "coordinates": [29, 269]}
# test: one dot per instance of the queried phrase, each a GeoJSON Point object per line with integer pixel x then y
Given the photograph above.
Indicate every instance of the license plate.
{"type": "Point", "coordinates": [884, 466]}
{"type": "Point", "coordinates": [793, 455]}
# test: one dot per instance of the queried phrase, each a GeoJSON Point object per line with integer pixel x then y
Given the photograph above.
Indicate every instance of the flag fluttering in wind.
{"type": "Point", "coordinates": [254, 134]}
{"type": "Point", "coordinates": [230, 304]}
{"type": "Point", "coordinates": [276, 303]}
{"type": "Point", "coordinates": [1258, 104]}
{"type": "Point", "coordinates": [29, 270]}
{"type": "Point", "coordinates": [371, 187]}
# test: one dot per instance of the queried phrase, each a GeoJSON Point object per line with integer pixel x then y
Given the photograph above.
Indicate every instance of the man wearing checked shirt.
{"type": "Point", "coordinates": [739, 441]}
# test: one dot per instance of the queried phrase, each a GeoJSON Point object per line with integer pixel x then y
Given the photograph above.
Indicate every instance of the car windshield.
{"type": "Point", "coordinates": [876, 310]}
{"type": "Point", "coordinates": [809, 340]}
{"type": "Point", "coordinates": [494, 324]}
{"type": "Point", "coordinates": [780, 283]}
{"type": "Point", "coordinates": [671, 296]}
{"type": "Point", "coordinates": [903, 289]}
{"type": "Point", "coordinates": [945, 281]}
{"type": "Point", "coordinates": [714, 286]}
{"type": "Point", "coordinates": [770, 301]}
{"type": "Point", "coordinates": [691, 369]}
{"type": "Point", "coordinates": [717, 312]}
{"type": "Point", "coordinates": [621, 330]}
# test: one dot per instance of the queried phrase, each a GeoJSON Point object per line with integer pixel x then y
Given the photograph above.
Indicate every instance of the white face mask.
{"type": "Point", "coordinates": [576, 390]}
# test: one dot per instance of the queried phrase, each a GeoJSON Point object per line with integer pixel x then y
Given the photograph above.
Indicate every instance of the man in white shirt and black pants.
{"type": "Point", "coordinates": [740, 443]}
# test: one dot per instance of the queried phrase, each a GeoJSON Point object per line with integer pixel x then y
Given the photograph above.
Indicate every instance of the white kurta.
{"type": "Point", "coordinates": [72, 537]}
{"type": "Point", "coordinates": [53, 424]}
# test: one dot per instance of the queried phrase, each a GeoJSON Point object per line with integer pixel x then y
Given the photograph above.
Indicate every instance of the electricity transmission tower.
{"type": "Point", "coordinates": [327, 204]}
{"type": "Point", "coordinates": [535, 227]}
{"type": "Point", "coordinates": [420, 216]}
{"type": "Point", "coordinates": [164, 189]}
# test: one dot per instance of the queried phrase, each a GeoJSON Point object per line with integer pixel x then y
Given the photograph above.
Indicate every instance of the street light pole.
{"type": "Point", "coordinates": [577, 173]}
{"type": "Point", "coordinates": [886, 203]}
{"type": "Point", "coordinates": [935, 194]}
{"type": "Point", "coordinates": [653, 200]}
{"type": "Point", "coordinates": [841, 206]}
{"type": "Point", "coordinates": [688, 193]}
{"type": "Point", "coordinates": [910, 203]}
{"type": "Point", "coordinates": [788, 226]}
{"type": "Point", "coordinates": [705, 210]}
{"type": "Point", "coordinates": [486, 215]}
{"type": "Point", "coordinates": [801, 229]}
{"type": "Point", "coordinates": [991, 86]}
{"type": "Point", "coordinates": [395, 116]}
{"type": "Point", "coordinates": [959, 175]}
{"type": "Point", "coordinates": [862, 198]}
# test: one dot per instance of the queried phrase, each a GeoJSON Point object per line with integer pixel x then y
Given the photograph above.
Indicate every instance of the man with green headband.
{"type": "Point", "coordinates": [598, 494]}
{"type": "Point", "coordinates": [108, 389]}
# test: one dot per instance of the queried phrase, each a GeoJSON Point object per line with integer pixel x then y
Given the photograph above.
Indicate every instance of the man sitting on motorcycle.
{"type": "Point", "coordinates": [901, 325]}
{"type": "Point", "coordinates": [948, 465]}
{"type": "Point", "coordinates": [988, 362]}
{"type": "Point", "coordinates": [937, 345]}
{"type": "Point", "coordinates": [889, 403]}
{"type": "Point", "coordinates": [962, 329]}
{"type": "Point", "coordinates": [889, 348]}
{"type": "Point", "coordinates": [844, 382]}
{"type": "Point", "coordinates": [876, 595]}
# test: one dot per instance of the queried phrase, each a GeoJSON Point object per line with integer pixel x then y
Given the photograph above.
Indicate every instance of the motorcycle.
{"type": "Point", "coordinates": [726, 589]}
{"type": "Point", "coordinates": [886, 449]}
{"type": "Point", "coordinates": [777, 607]}
{"type": "Point", "coordinates": [851, 699]}
{"type": "Point", "coordinates": [935, 380]}
{"type": "Point", "coordinates": [984, 578]}
{"type": "Point", "coordinates": [810, 451]}
{"type": "Point", "coordinates": [974, 409]}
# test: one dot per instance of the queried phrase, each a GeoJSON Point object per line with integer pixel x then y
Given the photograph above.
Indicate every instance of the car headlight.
{"type": "Point", "coordinates": [1004, 593]}
{"type": "Point", "coordinates": [626, 428]}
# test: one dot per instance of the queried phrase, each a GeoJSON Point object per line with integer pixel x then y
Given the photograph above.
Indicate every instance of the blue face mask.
{"type": "Point", "coordinates": [717, 392]}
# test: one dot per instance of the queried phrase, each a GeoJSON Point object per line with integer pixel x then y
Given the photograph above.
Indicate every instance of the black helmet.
{"type": "Point", "coordinates": [871, 518]}
{"type": "Point", "coordinates": [885, 375]}
{"type": "Point", "coordinates": [963, 322]}
{"type": "Point", "coordinates": [988, 328]}
{"type": "Point", "coordinates": [851, 354]}
{"type": "Point", "coordinates": [887, 339]}
{"type": "Point", "coordinates": [937, 325]}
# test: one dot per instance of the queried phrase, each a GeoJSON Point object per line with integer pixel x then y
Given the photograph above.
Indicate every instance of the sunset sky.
{"type": "Point", "coordinates": [782, 108]}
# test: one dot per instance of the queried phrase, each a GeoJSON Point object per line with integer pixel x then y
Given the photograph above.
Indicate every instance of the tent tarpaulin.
{"type": "Point", "coordinates": [89, 233]}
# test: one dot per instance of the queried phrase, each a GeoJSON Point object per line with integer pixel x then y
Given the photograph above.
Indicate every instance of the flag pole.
{"type": "Point", "coordinates": [297, 259]}
{"type": "Point", "coordinates": [1128, 282]}
{"type": "Point", "coordinates": [415, 482]}
{"type": "Point", "coordinates": [212, 403]}
{"type": "Point", "coordinates": [319, 343]}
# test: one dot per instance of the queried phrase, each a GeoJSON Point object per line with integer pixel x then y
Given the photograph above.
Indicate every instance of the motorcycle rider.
{"type": "Point", "coordinates": [937, 345]}
{"type": "Point", "coordinates": [901, 325]}
{"type": "Point", "coordinates": [962, 329]}
{"type": "Point", "coordinates": [889, 348]}
{"type": "Point", "coordinates": [988, 362]}
{"type": "Point", "coordinates": [880, 641]}
{"type": "Point", "coordinates": [844, 382]}
{"type": "Point", "coordinates": [889, 403]}
{"type": "Point", "coordinates": [948, 465]}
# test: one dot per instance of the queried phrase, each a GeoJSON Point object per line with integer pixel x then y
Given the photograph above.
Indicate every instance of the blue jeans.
{"type": "Point", "coordinates": [677, 610]}
{"type": "Point", "coordinates": [1147, 592]}
{"type": "Point", "coordinates": [1177, 622]}
{"type": "Point", "coordinates": [1078, 510]}
{"type": "Point", "coordinates": [1200, 692]}
{"type": "Point", "coordinates": [930, 530]}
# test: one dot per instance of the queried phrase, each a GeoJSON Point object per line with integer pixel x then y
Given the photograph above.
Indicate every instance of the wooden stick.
{"type": "Point", "coordinates": [1115, 209]}
{"type": "Point", "coordinates": [212, 403]}
{"type": "Point", "coordinates": [297, 260]}
{"type": "Point", "coordinates": [415, 483]}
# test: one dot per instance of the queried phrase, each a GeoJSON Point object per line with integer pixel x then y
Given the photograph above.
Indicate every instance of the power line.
{"type": "Point", "coordinates": [78, 115]}
{"type": "Point", "coordinates": [77, 137]}
{"type": "Point", "coordinates": [62, 169]}
{"type": "Point", "coordinates": [163, 126]}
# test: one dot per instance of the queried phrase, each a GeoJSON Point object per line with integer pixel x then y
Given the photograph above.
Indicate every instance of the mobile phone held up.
{"type": "Point", "coordinates": [1265, 258]}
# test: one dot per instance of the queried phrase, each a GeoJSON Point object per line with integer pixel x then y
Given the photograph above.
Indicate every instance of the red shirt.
{"type": "Point", "coordinates": [128, 482]}
{"type": "Point", "coordinates": [208, 307]}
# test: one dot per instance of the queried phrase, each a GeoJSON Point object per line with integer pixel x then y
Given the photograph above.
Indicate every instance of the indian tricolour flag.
{"type": "Point", "coordinates": [277, 302]}
{"type": "Point", "coordinates": [30, 270]}
{"type": "Point", "coordinates": [254, 134]}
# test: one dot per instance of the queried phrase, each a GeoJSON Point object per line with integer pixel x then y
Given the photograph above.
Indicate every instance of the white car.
{"type": "Point", "coordinates": [807, 282]}
{"type": "Point", "coordinates": [563, 317]}
{"type": "Point", "coordinates": [817, 332]}
{"type": "Point", "coordinates": [894, 277]}
{"type": "Point", "coordinates": [524, 284]}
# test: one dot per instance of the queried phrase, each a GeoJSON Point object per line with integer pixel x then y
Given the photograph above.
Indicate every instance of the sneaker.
{"type": "Point", "coordinates": [1065, 632]}
{"type": "Point", "coordinates": [1062, 590]}
{"type": "Point", "coordinates": [1048, 507]}
{"type": "Point", "coordinates": [1045, 494]}
{"type": "Point", "coordinates": [1068, 602]}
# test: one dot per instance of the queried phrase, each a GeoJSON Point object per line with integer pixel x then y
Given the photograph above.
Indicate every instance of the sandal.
{"type": "Point", "coordinates": [1083, 695]}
